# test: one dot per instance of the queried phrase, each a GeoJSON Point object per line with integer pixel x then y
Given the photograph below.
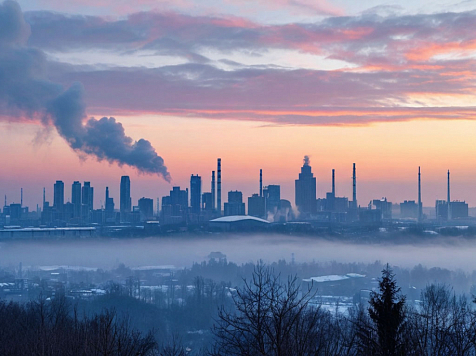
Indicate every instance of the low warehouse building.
{"type": "Point", "coordinates": [238, 223]}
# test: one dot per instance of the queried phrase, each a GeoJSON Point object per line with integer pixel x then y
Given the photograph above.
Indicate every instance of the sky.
{"type": "Point", "coordinates": [158, 90]}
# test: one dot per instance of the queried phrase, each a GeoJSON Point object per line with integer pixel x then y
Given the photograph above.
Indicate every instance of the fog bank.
{"type": "Point", "coordinates": [183, 251]}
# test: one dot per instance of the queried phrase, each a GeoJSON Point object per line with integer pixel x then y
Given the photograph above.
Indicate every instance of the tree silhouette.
{"type": "Point", "coordinates": [271, 318]}
{"type": "Point", "coordinates": [387, 311]}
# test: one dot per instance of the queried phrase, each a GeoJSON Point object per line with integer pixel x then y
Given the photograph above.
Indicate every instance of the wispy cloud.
{"type": "Point", "coordinates": [400, 64]}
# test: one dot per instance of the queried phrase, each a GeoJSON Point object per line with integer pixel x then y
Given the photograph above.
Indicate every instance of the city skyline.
{"type": "Point", "coordinates": [65, 193]}
{"type": "Point", "coordinates": [389, 88]}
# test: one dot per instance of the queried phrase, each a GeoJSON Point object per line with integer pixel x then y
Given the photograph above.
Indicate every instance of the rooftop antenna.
{"type": "Point", "coordinates": [21, 197]}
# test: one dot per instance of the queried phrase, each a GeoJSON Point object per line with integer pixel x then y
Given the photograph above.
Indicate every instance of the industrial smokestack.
{"type": "Point", "coordinates": [449, 200]}
{"type": "Point", "coordinates": [333, 183]}
{"type": "Point", "coordinates": [213, 191]}
{"type": "Point", "coordinates": [354, 188]}
{"type": "Point", "coordinates": [44, 196]}
{"type": "Point", "coordinates": [21, 197]}
{"type": "Point", "coordinates": [419, 195]}
{"type": "Point", "coordinates": [260, 182]}
{"type": "Point", "coordinates": [219, 186]}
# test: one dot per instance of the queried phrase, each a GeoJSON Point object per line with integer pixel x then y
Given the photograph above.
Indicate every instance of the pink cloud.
{"type": "Point", "coordinates": [395, 61]}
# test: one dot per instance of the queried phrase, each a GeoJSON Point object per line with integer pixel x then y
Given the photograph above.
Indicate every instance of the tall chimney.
{"type": "Point", "coordinates": [21, 197]}
{"type": "Point", "coordinates": [333, 183]}
{"type": "Point", "coordinates": [260, 182]}
{"type": "Point", "coordinates": [219, 186]}
{"type": "Point", "coordinates": [449, 200]}
{"type": "Point", "coordinates": [44, 196]}
{"type": "Point", "coordinates": [419, 195]}
{"type": "Point", "coordinates": [213, 191]}
{"type": "Point", "coordinates": [354, 189]}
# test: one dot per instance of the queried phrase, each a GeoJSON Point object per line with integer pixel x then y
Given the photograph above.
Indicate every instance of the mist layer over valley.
{"type": "Point", "coordinates": [452, 253]}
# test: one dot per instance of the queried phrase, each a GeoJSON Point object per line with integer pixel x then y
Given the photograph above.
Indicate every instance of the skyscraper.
{"type": "Point", "coordinates": [195, 193]}
{"type": "Point", "coordinates": [272, 195]}
{"type": "Point", "coordinates": [305, 189]}
{"type": "Point", "coordinates": [109, 203]}
{"type": "Point", "coordinates": [87, 201]}
{"type": "Point", "coordinates": [256, 206]}
{"type": "Point", "coordinates": [58, 200]}
{"type": "Point", "coordinates": [146, 208]}
{"type": "Point", "coordinates": [207, 201]}
{"type": "Point", "coordinates": [76, 199]}
{"type": "Point", "coordinates": [125, 203]}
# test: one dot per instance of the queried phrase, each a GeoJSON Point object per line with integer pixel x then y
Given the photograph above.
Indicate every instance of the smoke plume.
{"type": "Point", "coordinates": [25, 92]}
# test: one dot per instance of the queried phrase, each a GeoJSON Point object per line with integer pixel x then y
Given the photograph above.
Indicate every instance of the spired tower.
{"type": "Point", "coordinates": [305, 189]}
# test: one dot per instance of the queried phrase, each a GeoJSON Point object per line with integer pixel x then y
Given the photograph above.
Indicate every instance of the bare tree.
{"type": "Point", "coordinates": [271, 318]}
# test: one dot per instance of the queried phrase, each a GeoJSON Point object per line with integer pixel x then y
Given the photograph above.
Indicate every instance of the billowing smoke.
{"type": "Point", "coordinates": [26, 93]}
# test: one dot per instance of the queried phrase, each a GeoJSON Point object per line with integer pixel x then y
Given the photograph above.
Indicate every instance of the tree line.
{"type": "Point", "coordinates": [269, 315]}
{"type": "Point", "coordinates": [273, 318]}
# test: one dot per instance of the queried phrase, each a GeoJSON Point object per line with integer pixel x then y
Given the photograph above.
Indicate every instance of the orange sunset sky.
{"type": "Point", "coordinates": [388, 87]}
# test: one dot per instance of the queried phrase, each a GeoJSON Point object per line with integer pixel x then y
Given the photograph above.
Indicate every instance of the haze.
{"type": "Point", "coordinates": [183, 251]}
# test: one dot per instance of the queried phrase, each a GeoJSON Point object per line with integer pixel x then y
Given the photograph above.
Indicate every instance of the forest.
{"type": "Point", "coordinates": [269, 313]}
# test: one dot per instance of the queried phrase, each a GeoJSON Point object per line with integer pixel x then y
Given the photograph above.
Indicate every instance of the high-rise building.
{"type": "Point", "coordinates": [174, 207]}
{"type": "Point", "coordinates": [58, 200]}
{"type": "Point", "coordinates": [256, 206]}
{"type": "Point", "coordinates": [235, 205]}
{"type": "Point", "coordinates": [441, 209]}
{"type": "Point", "coordinates": [409, 209]}
{"type": "Point", "coordinates": [459, 209]}
{"type": "Point", "coordinates": [384, 206]}
{"type": "Point", "coordinates": [146, 209]}
{"type": "Point", "coordinates": [87, 198]}
{"type": "Point", "coordinates": [195, 193]}
{"type": "Point", "coordinates": [305, 189]}
{"type": "Point", "coordinates": [76, 199]}
{"type": "Point", "coordinates": [109, 206]}
{"type": "Point", "coordinates": [272, 195]}
{"type": "Point", "coordinates": [207, 202]}
{"type": "Point", "coordinates": [125, 202]}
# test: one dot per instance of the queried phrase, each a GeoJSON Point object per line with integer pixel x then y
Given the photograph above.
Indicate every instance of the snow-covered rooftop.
{"type": "Point", "coordinates": [334, 277]}
{"type": "Point", "coordinates": [234, 218]}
